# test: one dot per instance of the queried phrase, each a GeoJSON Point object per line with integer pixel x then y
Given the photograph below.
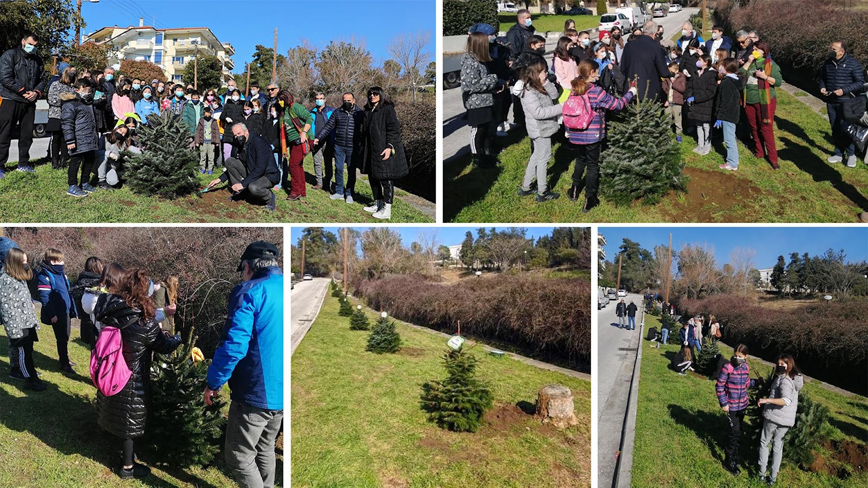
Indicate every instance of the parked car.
{"type": "Point", "coordinates": [622, 292]}
{"type": "Point", "coordinates": [307, 277]}
{"type": "Point", "coordinates": [506, 7]}
{"type": "Point", "coordinates": [610, 21]}
{"type": "Point", "coordinates": [675, 7]}
{"type": "Point", "coordinates": [612, 295]}
{"type": "Point", "coordinates": [578, 11]}
{"type": "Point", "coordinates": [602, 301]}
{"type": "Point", "coordinates": [661, 12]}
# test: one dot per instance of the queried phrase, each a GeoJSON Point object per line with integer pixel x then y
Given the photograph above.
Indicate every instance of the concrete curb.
{"type": "Point", "coordinates": [624, 474]}
{"type": "Point", "coordinates": [298, 336]}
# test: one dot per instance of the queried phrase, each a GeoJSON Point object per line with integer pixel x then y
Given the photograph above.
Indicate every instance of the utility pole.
{"type": "Point", "coordinates": [247, 88]}
{"type": "Point", "coordinates": [196, 67]}
{"type": "Point", "coordinates": [346, 262]}
{"type": "Point", "coordinates": [78, 23]}
{"type": "Point", "coordinates": [274, 58]}
{"type": "Point", "coordinates": [302, 258]}
{"type": "Point", "coordinates": [618, 285]}
{"type": "Point", "coordinates": [704, 17]}
{"type": "Point", "coordinates": [668, 271]}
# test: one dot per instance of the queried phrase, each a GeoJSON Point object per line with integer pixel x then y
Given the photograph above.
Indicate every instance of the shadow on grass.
{"type": "Point", "coordinates": [849, 428]}
{"type": "Point", "coordinates": [861, 406]}
{"type": "Point", "coordinates": [526, 407]}
{"type": "Point", "coordinates": [461, 191]}
{"type": "Point", "coordinates": [794, 129]}
{"type": "Point", "coordinates": [564, 157]}
{"type": "Point", "coordinates": [820, 171]}
{"type": "Point", "coordinates": [711, 429]}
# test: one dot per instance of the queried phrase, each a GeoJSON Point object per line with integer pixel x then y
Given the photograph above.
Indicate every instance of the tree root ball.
{"type": "Point", "coordinates": [555, 405]}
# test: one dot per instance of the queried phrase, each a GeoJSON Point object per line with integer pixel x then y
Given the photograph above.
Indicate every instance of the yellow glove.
{"type": "Point", "coordinates": [196, 355]}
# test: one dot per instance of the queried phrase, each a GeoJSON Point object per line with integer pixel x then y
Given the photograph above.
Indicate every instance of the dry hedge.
{"type": "Point", "coordinates": [828, 340]}
{"type": "Point", "coordinates": [547, 317]}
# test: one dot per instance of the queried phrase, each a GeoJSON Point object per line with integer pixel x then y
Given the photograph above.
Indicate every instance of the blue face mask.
{"type": "Point", "coordinates": [29, 48]}
{"type": "Point", "coordinates": [179, 94]}
{"type": "Point", "coordinates": [586, 42]}
{"type": "Point", "coordinates": [528, 22]}
{"type": "Point", "coordinates": [137, 86]}
{"type": "Point", "coordinates": [320, 103]}
{"type": "Point", "coordinates": [151, 289]}
{"type": "Point", "coordinates": [109, 77]}
{"type": "Point", "coordinates": [491, 39]}
{"type": "Point", "coordinates": [146, 96]}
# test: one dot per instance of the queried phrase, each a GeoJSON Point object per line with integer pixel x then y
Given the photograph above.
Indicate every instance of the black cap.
{"type": "Point", "coordinates": [259, 250]}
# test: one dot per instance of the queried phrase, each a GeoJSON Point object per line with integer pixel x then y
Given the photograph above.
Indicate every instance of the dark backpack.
{"type": "Point", "coordinates": [33, 282]}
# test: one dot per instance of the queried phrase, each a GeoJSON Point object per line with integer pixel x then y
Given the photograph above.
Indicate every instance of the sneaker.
{"type": "Point", "coordinates": [105, 186]}
{"type": "Point", "coordinates": [2, 174]}
{"type": "Point", "coordinates": [137, 471]}
{"type": "Point", "coordinates": [293, 198]}
{"type": "Point", "coordinates": [732, 468]}
{"type": "Point", "coordinates": [336, 196]}
{"type": "Point", "coordinates": [16, 374]}
{"type": "Point", "coordinates": [525, 193]}
{"type": "Point", "coordinates": [547, 196]}
{"type": "Point", "coordinates": [728, 167]}
{"type": "Point", "coordinates": [691, 368]}
{"type": "Point", "coordinates": [26, 169]}
{"type": "Point", "coordinates": [202, 171]}
{"type": "Point", "coordinates": [678, 139]}
{"type": "Point", "coordinates": [88, 188]}
{"type": "Point", "coordinates": [318, 186]}
{"type": "Point", "coordinates": [67, 369]}
{"type": "Point", "coordinates": [705, 152]}
{"type": "Point", "coordinates": [211, 172]}
{"type": "Point", "coordinates": [682, 373]}
{"type": "Point", "coordinates": [349, 197]}
{"type": "Point", "coordinates": [763, 478]}
{"type": "Point", "coordinates": [851, 161]}
{"type": "Point", "coordinates": [373, 207]}
{"type": "Point", "coordinates": [75, 191]}
{"type": "Point", "coordinates": [697, 149]}
{"type": "Point", "coordinates": [771, 481]}
{"type": "Point", "coordinates": [573, 193]}
{"type": "Point", "coordinates": [272, 203]}
{"type": "Point", "coordinates": [835, 159]}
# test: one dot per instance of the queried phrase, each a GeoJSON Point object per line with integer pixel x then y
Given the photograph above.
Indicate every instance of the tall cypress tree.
{"type": "Point", "coordinates": [459, 402]}
{"type": "Point", "coordinates": [167, 165]}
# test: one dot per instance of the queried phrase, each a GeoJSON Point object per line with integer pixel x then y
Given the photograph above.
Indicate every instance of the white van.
{"type": "Point", "coordinates": [506, 7]}
{"type": "Point", "coordinates": [634, 14]}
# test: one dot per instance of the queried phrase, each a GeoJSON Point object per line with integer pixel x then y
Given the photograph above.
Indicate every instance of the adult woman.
{"type": "Point", "coordinates": [565, 66]}
{"type": "Point", "coordinates": [760, 101]}
{"type": "Point", "coordinates": [569, 24]}
{"type": "Point", "coordinates": [59, 151]}
{"type": "Point", "coordinates": [124, 414]}
{"type": "Point", "coordinates": [732, 385]}
{"type": "Point", "coordinates": [147, 105]}
{"type": "Point", "coordinates": [541, 119]}
{"type": "Point", "coordinates": [701, 100]}
{"type": "Point", "coordinates": [617, 43]}
{"type": "Point", "coordinates": [478, 87]}
{"type": "Point", "coordinates": [779, 414]}
{"type": "Point", "coordinates": [714, 330]}
{"type": "Point", "coordinates": [17, 313]}
{"type": "Point", "coordinates": [297, 124]}
{"type": "Point", "coordinates": [89, 278]}
{"type": "Point", "coordinates": [384, 160]}
{"type": "Point", "coordinates": [232, 114]}
{"type": "Point", "coordinates": [588, 142]}
{"type": "Point", "coordinates": [122, 104]}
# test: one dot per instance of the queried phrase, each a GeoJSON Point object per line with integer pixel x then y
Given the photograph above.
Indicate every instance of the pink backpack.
{"type": "Point", "coordinates": [578, 113]}
{"type": "Point", "coordinates": [108, 368]}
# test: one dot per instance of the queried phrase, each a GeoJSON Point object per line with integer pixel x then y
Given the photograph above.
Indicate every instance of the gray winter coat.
{"type": "Point", "coordinates": [79, 124]}
{"type": "Point", "coordinates": [540, 112]}
{"type": "Point", "coordinates": [16, 308]}
{"type": "Point", "coordinates": [784, 387]}
{"type": "Point", "coordinates": [477, 83]}
{"type": "Point", "coordinates": [54, 102]}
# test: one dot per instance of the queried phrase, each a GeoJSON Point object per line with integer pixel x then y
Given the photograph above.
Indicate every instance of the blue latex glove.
{"type": "Point", "coordinates": [690, 99]}
{"type": "Point", "coordinates": [718, 124]}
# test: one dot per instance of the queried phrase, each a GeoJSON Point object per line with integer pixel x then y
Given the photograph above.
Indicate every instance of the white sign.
{"type": "Point", "coordinates": [455, 342]}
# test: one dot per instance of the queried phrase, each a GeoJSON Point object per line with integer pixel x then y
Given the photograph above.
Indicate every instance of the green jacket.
{"type": "Point", "coordinates": [192, 114]}
{"type": "Point", "coordinates": [304, 117]}
{"type": "Point", "coordinates": [751, 92]}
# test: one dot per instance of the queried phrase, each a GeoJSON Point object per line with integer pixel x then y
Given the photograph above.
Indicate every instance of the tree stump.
{"type": "Point", "coordinates": [555, 405]}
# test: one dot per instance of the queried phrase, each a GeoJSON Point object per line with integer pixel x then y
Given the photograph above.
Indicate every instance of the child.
{"type": "Point", "coordinates": [253, 119]}
{"type": "Point", "coordinates": [682, 361]}
{"type": "Point", "coordinates": [82, 139]}
{"type": "Point", "coordinates": [675, 88]}
{"type": "Point", "coordinates": [116, 143]}
{"type": "Point", "coordinates": [541, 120]}
{"type": "Point", "coordinates": [728, 110]}
{"type": "Point", "coordinates": [58, 310]}
{"type": "Point", "coordinates": [18, 316]}
{"type": "Point", "coordinates": [207, 138]}
{"type": "Point", "coordinates": [702, 103]}
{"type": "Point", "coordinates": [732, 385]}
{"type": "Point", "coordinates": [147, 105]}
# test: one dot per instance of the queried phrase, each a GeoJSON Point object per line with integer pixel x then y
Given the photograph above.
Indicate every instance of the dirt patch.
{"type": "Point", "coordinates": [394, 482]}
{"type": "Point", "coordinates": [127, 203]}
{"type": "Point", "coordinates": [439, 445]}
{"type": "Point", "coordinates": [845, 459]}
{"type": "Point", "coordinates": [710, 197]}
{"type": "Point", "coordinates": [413, 352]}
{"type": "Point", "coordinates": [786, 305]}
{"type": "Point", "coordinates": [505, 418]}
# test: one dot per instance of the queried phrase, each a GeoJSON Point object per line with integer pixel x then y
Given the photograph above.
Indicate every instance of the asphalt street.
{"type": "Point", "coordinates": [38, 149]}
{"type": "Point", "coordinates": [306, 301]}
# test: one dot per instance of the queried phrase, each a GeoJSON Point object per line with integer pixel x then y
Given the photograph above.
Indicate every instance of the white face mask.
{"type": "Point", "coordinates": [685, 32]}
{"type": "Point", "coordinates": [693, 52]}
{"type": "Point", "coordinates": [715, 36]}
{"type": "Point", "coordinates": [235, 98]}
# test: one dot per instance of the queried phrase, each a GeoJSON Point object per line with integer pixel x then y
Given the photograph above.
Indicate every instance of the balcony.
{"type": "Point", "coordinates": [229, 63]}
{"type": "Point", "coordinates": [189, 47]}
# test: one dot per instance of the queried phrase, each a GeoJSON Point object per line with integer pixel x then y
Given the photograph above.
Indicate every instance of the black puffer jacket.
{"type": "Point", "coordinates": [19, 73]}
{"type": "Point", "coordinates": [235, 111]}
{"type": "Point", "coordinates": [124, 414]}
{"type": "Point", "coordinates": [79, 124]}
{"type": "Point", "coordinates": [842, 74]}
{"type": "Point", "coordinates": [704, 92]}
{"type": "Point", "coordinates": [381, 130]}
{"type": "Point", "coordinates": [345, 126]}
{"type": "Point", "coordinates": [85, 280]}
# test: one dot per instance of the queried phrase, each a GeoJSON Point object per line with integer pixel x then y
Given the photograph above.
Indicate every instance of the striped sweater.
{"type": "Point", "coordinates": [600, 102]}
{"type": "Point", "coordinates": [732, 386]}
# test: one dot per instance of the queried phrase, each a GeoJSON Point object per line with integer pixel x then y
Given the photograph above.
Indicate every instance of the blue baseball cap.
{"type": "Point", "coordinates": [5, 245]}
{"type": "Point", "coordinates": [486, 29]}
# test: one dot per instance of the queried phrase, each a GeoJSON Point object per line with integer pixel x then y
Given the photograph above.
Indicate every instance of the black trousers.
{"type": "Point", "coordinates": [735, 421]}
{"type": "Point", "coordinates": [11, 113]}
{"type": "Point", "coordinates": [382, 189]}
{"type": "Point", "coordinates": [59, 152]}
{"type": "Point", "coordinates": [259, 189]}
{"type": "Point", "coordinates": [588, 157]}
{"type": "Point", "coordinates": [25, 354]}
{"type": "Point", "coordinates": [62, 330]}
{"type": "Point", "coordinates": [517, 111]}
{"type": "Point", "coordinates": [86, 161]}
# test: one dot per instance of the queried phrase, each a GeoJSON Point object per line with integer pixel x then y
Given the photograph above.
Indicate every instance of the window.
{"type": "Point", "coordinates": [159, 40]}
{"type": "Point", "coordinates": [177, 78]}
{"type": "Point", "coordinates": [178, 59]}
{"type": "Point", "coordinates": [158, 57]}
{"type": "Point", "coordinates": [147, 57]}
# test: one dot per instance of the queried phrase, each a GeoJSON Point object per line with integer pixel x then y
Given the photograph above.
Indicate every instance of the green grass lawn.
{"type": "Point", "coordinates": [51, 438]}
{"type": "Point", "coordinates": [551, 23]}
{"type": "Point", "coordinates": [681, 431]}
{"type": "Point", "coordinates": [357, 421]}
{"type": "Point", "coordinates": [42, 198]}
{"type": "Point", "coordinates": [805, 189]}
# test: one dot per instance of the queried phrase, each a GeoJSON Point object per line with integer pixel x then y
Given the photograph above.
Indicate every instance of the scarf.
{"type": "Point", "coordinates": [765, 92]}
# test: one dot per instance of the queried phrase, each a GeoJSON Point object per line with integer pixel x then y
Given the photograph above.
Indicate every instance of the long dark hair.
{"type": "Point", "coordinates": [563, 49]}
{"type": "Point", "coordinates": [384, 98]}
{"type": "Point", "coordinates": [134, 291]}
{"type": "Point", "coordinates": [530, 75]}
{"type": "Point", "coordinates": [792, 369]}
{"type": "Point", "coordinates": [93, 265]}
{"type": "Point", "coordinates": [112, 276]}
{"type": "Point", "coordinates": [477, 46]}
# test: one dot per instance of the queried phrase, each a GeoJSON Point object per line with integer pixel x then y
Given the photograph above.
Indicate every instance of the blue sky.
{"type": "Point", "coordinates": [769, 243]}
{"type": "Point", "coordinates": [245, 24]}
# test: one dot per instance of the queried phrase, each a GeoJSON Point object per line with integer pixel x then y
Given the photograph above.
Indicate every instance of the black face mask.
{"type": "Point", "coordinates": [659, 36]}
{"type": "Point", "coordinates": [87, 99]}
{"type": "Point", "coordinates": [737, 361]}
{"type": "Point", "coordinates": [833, 55]}
{"type": "Point", "coordinates": [541, 50]}
{"type": "Point", "coordinates": [347, 106]}
{"type": "Point", "coordinates": [207, 117]}
{"type": "Point", "coordinates": [780, 369]}
{"type": "Point", "coordinates": [240, 141]}
{"type": "Point", "coordinates": [126, 92]}
{"type": "Point", "coordinates": [616, 36]}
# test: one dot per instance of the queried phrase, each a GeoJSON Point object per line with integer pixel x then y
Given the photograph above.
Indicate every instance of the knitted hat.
{"type": "Point", "coordinates": [603, 33]}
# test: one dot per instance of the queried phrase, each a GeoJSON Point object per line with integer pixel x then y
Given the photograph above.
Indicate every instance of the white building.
{"type": "Point", "coordinates": [765, 278]}
{"type": "Point", "coordinates": [455, 253]}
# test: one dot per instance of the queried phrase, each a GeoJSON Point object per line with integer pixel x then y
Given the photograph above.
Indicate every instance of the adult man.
{"type": "Point", "coordinates": [717, 41]}
{"type": "Point", "coordinates": [231, 86]}
{"type": "Point", "coordinates": [621, 312]}
{"type": "Point", "coordinates": [109, 87]}
{"type": "Point", "coordinates": [253, 169]}
{"type": "Point", "coordinates": [517, 38]}
{"type": "Point", "coordinates": [255, 94]}
{"type": "Point", "coordinates": [324, 152]}
{"type": "Point", "coordinates": [22, 82]}
{"type": "Point", "coordinates": [841, 78]}
{"type": "Point", "coordinates": [687, 33]}
{"type": "Point", "coordinates": [344, 128]}
{"type": "Point", "coordinates": [754, 36]}
{"type": "Point", "coordinates": [250, 358]}
{"type": "Point", "coordinates": [631, 316]}
{"type": "Point", "coordinates": [643, 60]}
{"type": "Point", "coordinates": [271, 99]}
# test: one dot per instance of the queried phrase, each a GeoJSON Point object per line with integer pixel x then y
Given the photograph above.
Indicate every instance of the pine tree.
{"type": "Point", "coordinates": [384, 337]}
{"type": "Point", "coordinates": [642, 160]}
{"type": "Point", "coordinates": [707, 360]}
{"type": "Point", "coordinates": [346, 309]}
{"type": "Point", "coordinates": [810, 431]}
{"type": "Point", "coordinates": [459, 402]}
{"type": "Point", "coordinates": [602, 7]}
{"type": "Point", "coordinates": [167, 166]}
{"type": "Point", "coordinates": [182, 430]}
{"type": "Point", "coordinates": [359, 320]}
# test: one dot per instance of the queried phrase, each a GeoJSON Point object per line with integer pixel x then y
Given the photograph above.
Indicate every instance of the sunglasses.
{"type": "Point", "coordinates": [272, 89]}
{"type": "Point", "coordinates": [374, 94]}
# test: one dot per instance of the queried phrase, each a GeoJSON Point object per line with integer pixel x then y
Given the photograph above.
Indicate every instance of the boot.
{"type": "Point", "coordinates": [590, 203]}
{"type": "Point", "coordinates": [574, 192]}
{"type": "Point", "coordinates": [385, 213]}
{"type": "Point", "coordinates": [375, 207]}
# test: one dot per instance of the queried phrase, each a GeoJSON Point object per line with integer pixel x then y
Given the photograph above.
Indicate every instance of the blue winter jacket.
{"type": "Point", "coordinates": [687, 334]}
{"type": "Point", "coordinates": [344, 126]}
{"type": "Point", "coordinates": [53, 286]}
{"type": "Point", "coordinates": [320, 118]}
{"type": "Point", "coordinates": [725, 45]}
{"type": "Point", "coordinates": [147, 107]}
{"type": "Point", "coordinates": [250, 353]}
{"type": "Point", "coordinates": [845, 74]}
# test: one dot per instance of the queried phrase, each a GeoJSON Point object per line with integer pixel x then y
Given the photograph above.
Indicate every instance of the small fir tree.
{"type": "Point", "coordinates": [459, 402]}
{"type": "Point", "coordinates": [359, 320]}
{"type": "Point", "coordinates": [384, 337]}
{"type": "Point", "coordinates": [167, 166]}
{"type": "Point", "coordinates": [642, 160]}
{"type": "Point", "coordinates": [707, 360]}
{"type": "Point", "coordinates": [346, 309]}
{"type": "Point", "coordinates": [182, 430]}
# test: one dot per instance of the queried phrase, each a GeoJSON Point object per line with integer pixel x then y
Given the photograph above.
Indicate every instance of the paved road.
{"type": "Point", "coordinates": [37, 151]}
{"type": "Point", "coordinates": [456, 133]}
{"type": "Point", "coordinates": [616, 354]}
{"type": "Point", "coordinates": [306, 300]}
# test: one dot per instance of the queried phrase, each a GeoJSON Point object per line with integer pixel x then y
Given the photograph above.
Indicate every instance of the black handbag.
{"type": "Point", "coordinates": [854, 107]}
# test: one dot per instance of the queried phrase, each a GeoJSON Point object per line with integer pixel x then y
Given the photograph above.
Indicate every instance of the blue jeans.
{"type": "Point", "coordinates": [342, 155]}
{"type": "Point", "coordinates": [665, 334]}
{"type": "Point", "coordinates": [839, 129]}
{"type": "Point", "coordinates": [632, 323]}
{"type": "Point", "coordinates": [697, 345]}
{"type": "Point", "coordinates": [731, 144]}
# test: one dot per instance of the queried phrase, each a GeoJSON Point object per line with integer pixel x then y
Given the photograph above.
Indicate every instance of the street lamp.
{"type": "Point", "coordinates": [78, 26]}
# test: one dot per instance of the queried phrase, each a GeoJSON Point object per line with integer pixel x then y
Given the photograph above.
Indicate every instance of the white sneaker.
{"type": "Point", "coordinates": [385, 213]}
{"type": "Point", "coordinates": [372, 208]}
{"type": "Point", "coordinates": [335, 196]}
{"type": "Point", "coordinates": [349, 197]}
{"type": "Point", "coordinates": [851, 161]}
{"type": "Point", "coordinates": [835, 159]}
